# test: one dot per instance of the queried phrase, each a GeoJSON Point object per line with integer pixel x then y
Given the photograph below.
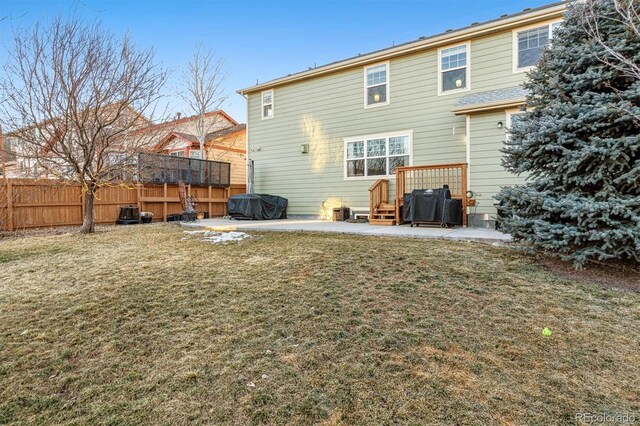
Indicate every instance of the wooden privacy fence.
{"type": "Point", "coordinates": [26, 203]}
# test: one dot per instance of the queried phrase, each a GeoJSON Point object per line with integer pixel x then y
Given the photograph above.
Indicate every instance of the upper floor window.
{"type": "Point", "coordinates": [376, 84]}
{"type": "Point", "coordinates": [530, 43]}
{"type": "Point", "coordinates": [267, 104]}
{"type": "Point", "coordinates": [177, 153]}
{"type": "Point", "coordinates": [377, 155]}
{"type": "Point", "coordinates": [453, 64]}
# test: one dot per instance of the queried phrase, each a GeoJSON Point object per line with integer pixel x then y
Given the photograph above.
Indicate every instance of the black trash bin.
{"type": "Point", "coordinates": [452, 212]}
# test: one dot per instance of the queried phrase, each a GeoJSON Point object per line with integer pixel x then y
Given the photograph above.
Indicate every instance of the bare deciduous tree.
{"type": "Point", "coordinates": [627, 13]}
{"type": "Point", "coordinates": [204, 91]}
{"type": "Point", "coordinates": [73, 96]}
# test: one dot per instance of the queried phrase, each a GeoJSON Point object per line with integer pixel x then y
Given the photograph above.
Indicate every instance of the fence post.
{"type": "Point", "coordinates": [210, 212]}
{"type": "Point", "coordinates": [82, 195]}
{"type": "Point", "coordinates": [227, 194]}
{"type": "Point", "coordinates": [9, 205]}
{"type": "Point", "coordinates": [164, 208]}
{"type": "Point", "coordinates": [139, 198]}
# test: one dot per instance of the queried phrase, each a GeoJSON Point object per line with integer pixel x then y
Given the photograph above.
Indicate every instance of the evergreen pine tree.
{"type": "Point", "coordinates": [579, 145]}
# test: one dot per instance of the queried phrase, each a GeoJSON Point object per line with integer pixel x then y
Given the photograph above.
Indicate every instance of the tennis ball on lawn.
{"type": "Point", "coordinates": [546, 331]}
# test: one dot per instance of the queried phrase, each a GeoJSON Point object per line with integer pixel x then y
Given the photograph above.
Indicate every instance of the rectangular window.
{"type": "Point", "coordinates": [195, 153]}
{"type": "Point", "coordinates": [530, 43]}
{"type": "Point", "coordinates": [377, 155]}
{"type": "Point", "coordinates": [177, 153]}
{"type": "Point", "coordinates": [453, 66]}
{"type": "Point", "coordinates": [267, 104]}
{"type": "Point", "coordinates": [376, 85]}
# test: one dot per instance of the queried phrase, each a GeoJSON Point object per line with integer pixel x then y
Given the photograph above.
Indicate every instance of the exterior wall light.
{"type": "Point", "coordinates": [500, 125]}
{"type": "Point", "coordinates": [304, 149]}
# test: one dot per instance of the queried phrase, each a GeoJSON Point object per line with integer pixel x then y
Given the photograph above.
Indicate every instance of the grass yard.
{"type": "Point", "coordinates": [137, 326]}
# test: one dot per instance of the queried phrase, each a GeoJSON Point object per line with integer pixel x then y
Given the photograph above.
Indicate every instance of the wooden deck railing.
{"type": "Point", "coordinates": [378, 194]}
{"type": "Point", "coordinates": [423, 177]}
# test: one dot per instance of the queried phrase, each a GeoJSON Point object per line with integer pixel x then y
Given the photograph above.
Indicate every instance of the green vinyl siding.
{"type": "Point", "coordinates": [485, 170]}
{"type": "Point", "coordinates": [322, 111]}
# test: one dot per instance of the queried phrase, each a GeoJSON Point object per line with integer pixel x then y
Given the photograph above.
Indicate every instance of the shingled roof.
{"type": "Point", "coordinates": [226, 131]}
{"type": "Point", "coordinates": [500, 98]}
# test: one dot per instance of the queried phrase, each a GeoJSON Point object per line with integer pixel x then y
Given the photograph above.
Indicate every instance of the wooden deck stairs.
{"type": "Point", "coordinates": [380, 211]}
{"type": "Point", "coordinates": [384, 214]}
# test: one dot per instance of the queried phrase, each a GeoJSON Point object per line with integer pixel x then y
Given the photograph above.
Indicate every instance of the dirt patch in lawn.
{"type": "Point", "coordinates": [137, 325]}
{"type": "Point", "coordinates": [614, 275]}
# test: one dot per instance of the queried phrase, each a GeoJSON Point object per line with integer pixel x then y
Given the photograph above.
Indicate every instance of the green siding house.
{"type": "Point", "coordinates": [323, 137]}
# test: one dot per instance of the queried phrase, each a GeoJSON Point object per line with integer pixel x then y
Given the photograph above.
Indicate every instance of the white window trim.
{"type": "Point", "coordinates": [388, 84]}
{"type": "Point", "coordinates": [386, 135]}
{"type": "Point", "coordinates": [514, 43]}
{"type": "Point", "coordinates": [509, 114]}
{"type": "Point", "coordinates": [468, 73]}
{"type": "Point", "coordinates": [178, 153]}
{"type": "Point", "coordinates": [273, 104]}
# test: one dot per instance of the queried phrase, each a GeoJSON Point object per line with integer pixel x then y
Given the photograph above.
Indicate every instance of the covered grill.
{"type": "Point", "coordinates": [257, 206]}
{"type": "Point", "coordinates": [432, 206]}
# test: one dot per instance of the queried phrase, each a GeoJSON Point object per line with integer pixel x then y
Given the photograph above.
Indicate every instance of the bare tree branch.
{"type": "Point", "coordinates": [73, 95]}
{"type": "Point", "coordinates": [204, 90]}
{"type": "Point", "coordinates": [627, 14]}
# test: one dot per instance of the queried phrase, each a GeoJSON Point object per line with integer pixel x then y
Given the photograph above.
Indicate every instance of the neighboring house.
{"type": "Point", "coordinates": [226, 142]}
{"type": "Point", "coordinates": [326, 134]}
{"type": "Point", "coordinates": [213, 121]}
{"type": "Point", "coordinates": [9, 159]}
{"type": "Point", "coordinates": [27, 159]}
{"type": "Point", "coordinates": [230, 145]}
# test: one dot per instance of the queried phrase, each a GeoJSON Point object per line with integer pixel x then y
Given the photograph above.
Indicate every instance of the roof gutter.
{"type": "Point", "coordinates": [417, 46]}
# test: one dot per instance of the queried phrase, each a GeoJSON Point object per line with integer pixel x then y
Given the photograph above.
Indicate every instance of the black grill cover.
{"type": "Point", "coordinates": [452, 214]}
{"type": "Point", "coordinates": [257, 206]}
{"type": "Point", "coordinates": [427, 205]}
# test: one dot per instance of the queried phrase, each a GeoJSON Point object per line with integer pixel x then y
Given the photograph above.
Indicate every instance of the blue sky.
{"type": "Point", "coordinates": [261, 40]}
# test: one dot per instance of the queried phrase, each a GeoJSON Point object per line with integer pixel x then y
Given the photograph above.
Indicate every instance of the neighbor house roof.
{"type": "Point", "coordinates": [226, 131]}
{"type": "Point", "coordinates": [192, 140]}
{"type": "Point", "coordinates": [172, 123]}
{"type": "Point", "coordinates": [492, 99]}
{"type": "Point", "coordinates": [476, 29]}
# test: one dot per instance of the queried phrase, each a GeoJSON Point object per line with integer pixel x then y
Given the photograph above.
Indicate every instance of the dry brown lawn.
{"type": "Point", "coordinates": [137, 326]}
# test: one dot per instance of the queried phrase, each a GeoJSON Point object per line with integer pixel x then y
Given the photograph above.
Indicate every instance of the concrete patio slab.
{"type": "Point", "coordinates": [489, 236]}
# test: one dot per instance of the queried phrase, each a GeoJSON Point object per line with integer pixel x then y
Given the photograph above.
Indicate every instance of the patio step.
{"type": "Point", "coordinates": [384, 222]}
{"type": "Point", "coordinates": [386, 206]}
{"type": "Point", "coordinates": [389, 215]}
